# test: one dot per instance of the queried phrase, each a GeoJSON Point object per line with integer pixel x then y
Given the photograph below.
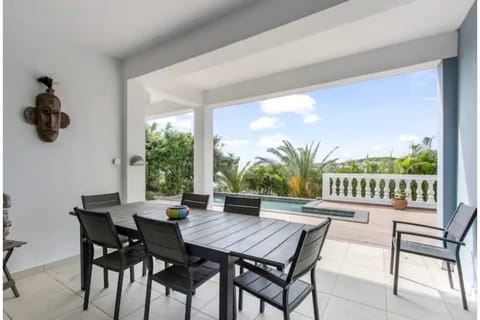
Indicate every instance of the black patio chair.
{"type": "Point", "coordinates": [100, 230]}
{"type": "Point", "coordinates": [107, 200]}
{"type": "Point", "coordinates": [248, 206]}
{"type": "Point", "coordinates": [452, 241]}
{"type": "Point", "coordinates": [163, 240]}
{"type": "Point", "coordinates": [285, 291]}
{"type": "Point", "coordinates": [241, 205]}
{"type": "Point", "coordinates": [193, 200]}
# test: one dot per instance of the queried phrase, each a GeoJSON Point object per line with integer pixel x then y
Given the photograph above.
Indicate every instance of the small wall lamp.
{"type": "Point", "coordinates": [137, 161]}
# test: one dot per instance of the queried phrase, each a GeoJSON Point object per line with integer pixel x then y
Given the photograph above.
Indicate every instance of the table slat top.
{"type": "Point", "coordinates": [260, 239]}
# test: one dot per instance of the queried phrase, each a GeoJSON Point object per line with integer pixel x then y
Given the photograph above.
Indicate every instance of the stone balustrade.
{"type": "Point", "coordinates": [421, 190]}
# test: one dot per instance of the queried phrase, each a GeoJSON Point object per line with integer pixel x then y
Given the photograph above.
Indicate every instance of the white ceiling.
{"type": "Point", "coordinates": [407, 21]}
{"type": "Point", "coordinates": [115, 27]}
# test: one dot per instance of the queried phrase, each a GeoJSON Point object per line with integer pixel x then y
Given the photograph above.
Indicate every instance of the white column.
{"type": "Point", "coordinates": [203, 151]}
{"type": "Point", "coordinates": [134, 141]}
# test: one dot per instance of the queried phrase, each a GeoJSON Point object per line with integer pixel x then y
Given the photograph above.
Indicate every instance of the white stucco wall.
{"type": "Point", "coordinates": [45, 180]}
{"type": "Point", "coordinates": [467, 130]}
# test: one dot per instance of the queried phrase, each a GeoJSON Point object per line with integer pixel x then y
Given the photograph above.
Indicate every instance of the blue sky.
{"type": "Point", "coordinates": [372, 117]}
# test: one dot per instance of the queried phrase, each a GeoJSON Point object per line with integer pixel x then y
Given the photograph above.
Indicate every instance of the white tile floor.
{"type": "Point", "coordinates": [352, 279]}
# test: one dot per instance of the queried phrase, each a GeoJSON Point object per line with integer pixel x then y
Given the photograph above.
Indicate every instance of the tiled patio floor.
{"type": "Point", "coordinates": [352, 279]}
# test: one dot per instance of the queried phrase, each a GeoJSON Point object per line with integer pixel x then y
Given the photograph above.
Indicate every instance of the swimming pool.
{"type": "Point", "coordinates": [308, 207]}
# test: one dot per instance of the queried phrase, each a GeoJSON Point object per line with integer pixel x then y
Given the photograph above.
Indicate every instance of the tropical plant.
{"type": "Point", "coordinates": [266, 179]}
{"type": "Point", "coordinates": [302, 173]}
{"type": "Point", "coordinates": [232, 178]}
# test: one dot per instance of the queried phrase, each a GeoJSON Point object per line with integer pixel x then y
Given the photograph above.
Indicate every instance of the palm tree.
{"type": "Point", "coordinates": [302, 172]}
{"type": "Point", "coordinates": [232, 178]}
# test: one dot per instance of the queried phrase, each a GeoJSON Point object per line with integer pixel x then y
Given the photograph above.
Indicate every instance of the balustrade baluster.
{"type": "Point", "coordinates": [431, 192]}
{"type": "Point", "coordinates": [342, 188]}
{"type": "Point", "coordinates": [349, 187]}
{"type": "Point", "coordinates": [408, 190]}
{"type": "Point", "coordinates": [377, 189]}
{"type": "Point", "coordinates": [368, 190]}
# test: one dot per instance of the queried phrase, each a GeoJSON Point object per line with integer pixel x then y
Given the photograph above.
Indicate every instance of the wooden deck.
{"type": "Point", "coordinates": [379, 229]}
{"type": "Point", "coordinates": [377, 232]}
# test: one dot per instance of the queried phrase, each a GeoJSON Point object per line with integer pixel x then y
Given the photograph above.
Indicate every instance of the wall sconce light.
{"type": "Point", "coordinates": [137, 161]}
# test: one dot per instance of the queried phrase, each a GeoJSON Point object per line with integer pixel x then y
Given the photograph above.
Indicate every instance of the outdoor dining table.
{"type": "Point", "coordinates": [217, 236]}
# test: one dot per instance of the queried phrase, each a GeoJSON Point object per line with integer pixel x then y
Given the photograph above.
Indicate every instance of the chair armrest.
{"type": "Point", "coordinates": [416, 234]}
{"type": "Point", "coordinates": [395, 222]}
{"type": "Point", "coordinates": [263, 273]}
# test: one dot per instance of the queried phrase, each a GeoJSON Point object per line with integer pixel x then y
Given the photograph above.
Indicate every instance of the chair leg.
{"type": "Point", "coordinates": [132, 268]}
{"type": "Point", "coordinates": [397, 269]}
{"type": "Point", "coordinates": [105, 270]}
{"type": "Point", "coordinates": [188, 308]}
{"type": "Point", "coordinates": [286, 311]}
{"type": "Point", "coordinates": [314, 295]}
{"type": "Point", "coordinates": [89, 278]}
{"type": "Point", "coordinates": [149, 293]}
{"type": "Point", "coordinates": [167, 289]}
{"type": "Point", "coordinates": [234, 303]}
{"type": "Point", "coordinates": [262, 306]}
{"type": "Point", "coordinates": [450, 278]}
{"type": "Point", "coordinates": [119, 296]}
{"type": "Point", "coordinates": [240, 294]}
{"type": "Point", "coordinates": [144, 269]}
{"type": "Point", "coordinates": [392, 252]}
{"type": "Point", "coordinates": [462, 285]}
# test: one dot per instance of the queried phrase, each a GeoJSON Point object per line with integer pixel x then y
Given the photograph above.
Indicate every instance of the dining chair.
{"type": "Point", "coordinates": [451, 240]}
{"type": "Point", "coordinates": [242, 205]}
{"type": "Point", "coordinates": [99, 229]}
{"type": "Point", "coordinates": [285, 291]}
{"type": "Point", "coordinates": [194, 200]}
{"type": "Point", "coordinates": [248, 206]}
{"type": "Point", "coordinates": [163, 240]}
{"type": "Point", "coordinates": [106, 200]}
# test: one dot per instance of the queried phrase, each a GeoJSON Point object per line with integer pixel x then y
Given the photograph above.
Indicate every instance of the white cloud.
{"type": "Point", "coordinates": [378, 147]}
{"type": "Point", "coordinates": [271, 141]}
{"type": "Point", "coordinates": [181, 123]}
{"type": "Point", "coordinates": [264, 123]}
{"type": "Point", "coordinates": [301, 104]}
{"type": "Point", "coordinates": [311, 118]}
{"type": "Point", "coordinates": [408, 138]}
{"type": "Point", "coordinates": [236, 142]}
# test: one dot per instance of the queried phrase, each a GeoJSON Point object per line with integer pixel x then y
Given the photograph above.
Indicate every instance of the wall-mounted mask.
{"type": "Point", "coordinates": [47, 114]}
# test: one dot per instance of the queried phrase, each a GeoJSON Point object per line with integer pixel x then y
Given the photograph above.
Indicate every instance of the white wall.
{"type": "Point", "coordinates": [45, 180]}
{"type": "Point", "coordinates": [467, 130]}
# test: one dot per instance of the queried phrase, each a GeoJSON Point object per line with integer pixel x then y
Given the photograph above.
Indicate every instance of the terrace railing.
{"type": "Point", "coordinates": [421, 190]}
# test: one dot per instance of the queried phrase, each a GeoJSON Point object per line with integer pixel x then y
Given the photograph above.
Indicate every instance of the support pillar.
{"type": "Point", "coordinates": [203, 151]}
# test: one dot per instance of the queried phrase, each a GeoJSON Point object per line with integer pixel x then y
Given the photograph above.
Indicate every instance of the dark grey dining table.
{"type": "Point", "coordinates": [217, 236]}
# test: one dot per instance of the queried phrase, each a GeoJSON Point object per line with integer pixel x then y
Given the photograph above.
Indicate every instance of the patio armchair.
{"type": "Point", "coordinates": [451, 239]}
{"type": "Point", "coordinates": [163, 240]}
{"type": "Point", "coordinates": [286, 291]}
{"type": "Point", "coordinates": [194, 200]}
{"type": "Point", "coordinates": [107, 200]}
{"type": "Point", "coordinates": [100, 230]}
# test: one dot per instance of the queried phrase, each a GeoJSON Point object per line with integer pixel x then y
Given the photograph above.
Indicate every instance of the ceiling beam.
{"type": "Point", "coordinates": [356, 67]}
{"type": "Point", "coordinates": [179, 93]}
{"type": "Point", "coordinates": [164, 109]}
{"type": "Point", "coordinates": [261, 16]}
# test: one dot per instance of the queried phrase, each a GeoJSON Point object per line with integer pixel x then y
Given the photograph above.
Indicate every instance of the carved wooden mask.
{"type": "Point", "coordinates": [47, 116]}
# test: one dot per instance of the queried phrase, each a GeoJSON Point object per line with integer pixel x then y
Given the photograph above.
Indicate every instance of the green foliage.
{"type": "Point", "coordinates": [266, 179]}
{"type": "Point", "coordinates": [169, 157]}
{"type": "Point", "coordinates": [233, 178]}
{"type": "Point", "coordinates": [301, 172]}
{"type": "Point", "coordinates": [421, 160]}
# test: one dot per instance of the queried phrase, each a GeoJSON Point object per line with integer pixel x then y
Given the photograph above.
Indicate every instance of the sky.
{"type": "Point", "coordinates": [375, 118]}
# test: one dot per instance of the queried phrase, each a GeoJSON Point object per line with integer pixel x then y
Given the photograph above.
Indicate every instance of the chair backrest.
{"type": "Point", "coordinates": [100, 200]}
{"type": "Point", "coordinates": [461, 221]}
{"type": "Point", "coordinates": [308, 250]}
{"type": "Point", "coordinates": [98, 228]}
{"type": "Point", "coordinates": [250, 206]}
{"type": "Point", "coordinates": [162, 239]}
{"type": "Point", "coordinates": [194, 200]}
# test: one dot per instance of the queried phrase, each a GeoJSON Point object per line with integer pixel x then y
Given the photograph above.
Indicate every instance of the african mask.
{"type": "Point", "coordinates": [46, 114]}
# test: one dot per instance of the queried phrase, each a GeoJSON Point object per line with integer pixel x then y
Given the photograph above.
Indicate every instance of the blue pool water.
{"type": "Point", "coordinates": [272, 204]}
